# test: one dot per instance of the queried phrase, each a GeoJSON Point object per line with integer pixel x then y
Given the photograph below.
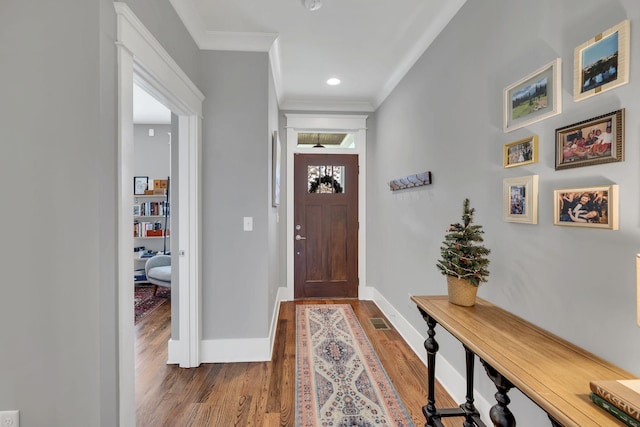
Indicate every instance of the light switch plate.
{"type": "Point", "coordinates": [9, 418]}
{"type": "Point", "coordinates": [248, 223]}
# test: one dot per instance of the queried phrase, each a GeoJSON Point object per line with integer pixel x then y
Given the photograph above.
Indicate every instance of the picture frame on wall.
{"type": "Point", "coordinates": [591, 142]}
{"type": "Point", "coordinates": [589, 207]}
{"type": "Point", "coordinates": [533, 98]}
{"type": "Point", "coordinates": [520, 199]}
{"type": "Point", "coordinates": [140, 184]}
{"type": "Point", "coordinates": [275, 173]}
{"type": "Point", "coordinates": [601, 63]}
{"type": "Point", "coordinates": [521, 152]}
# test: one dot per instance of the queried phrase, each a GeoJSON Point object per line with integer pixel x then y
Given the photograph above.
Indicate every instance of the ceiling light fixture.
{"type": "Point", "coordinates": [333, 81]}
{"type": "Point", "coordinates": [312, 5]}
{"type": "Point", "coordinates": [318, 145]}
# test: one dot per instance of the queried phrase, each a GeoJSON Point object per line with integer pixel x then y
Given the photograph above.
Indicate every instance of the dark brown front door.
{"type": "Point", "coordinates": [326, 226]}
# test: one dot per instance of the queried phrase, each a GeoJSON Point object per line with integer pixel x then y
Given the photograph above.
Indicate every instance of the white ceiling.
{"type": "Point", "coordinates": [368, 44]}
{"type": "Point", "coordinates": [147, 110]}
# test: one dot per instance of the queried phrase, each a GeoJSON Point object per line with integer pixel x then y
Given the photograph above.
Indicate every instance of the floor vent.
{"type": "Point", "coordinates": [379, 323]}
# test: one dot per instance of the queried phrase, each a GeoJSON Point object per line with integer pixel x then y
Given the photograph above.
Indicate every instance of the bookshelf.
{"type": "Point", "coordinates": [150, 228]}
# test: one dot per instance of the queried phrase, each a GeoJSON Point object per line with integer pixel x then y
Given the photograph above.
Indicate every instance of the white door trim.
{"type": "Point", "coordinates": [356, 124]}
{"type": "Point", "coordinates": [143, 59]}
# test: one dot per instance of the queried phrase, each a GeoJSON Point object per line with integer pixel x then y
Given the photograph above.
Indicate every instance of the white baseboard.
{"type": "Point", "coordinates": [244, 350]}
{"type": "Point", "coordinates": [174, 355]}
{"type": "Point", "coordinates": [450, 379]}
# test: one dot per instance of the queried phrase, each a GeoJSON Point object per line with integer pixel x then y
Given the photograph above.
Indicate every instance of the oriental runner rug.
{"type": "Point", "coordinates": [340, 380]}
{"type": "Point", "coordinates": [145, 302]}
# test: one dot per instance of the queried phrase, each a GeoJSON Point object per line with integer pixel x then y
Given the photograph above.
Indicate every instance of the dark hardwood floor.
{"type": "Point", "coordinates": [260, 393]}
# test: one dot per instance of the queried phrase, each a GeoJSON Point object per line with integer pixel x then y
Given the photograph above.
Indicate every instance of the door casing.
{"type": "Point", "coordinates": [356, 124]}
{"type": "Point", "coordinates": [142, 59]}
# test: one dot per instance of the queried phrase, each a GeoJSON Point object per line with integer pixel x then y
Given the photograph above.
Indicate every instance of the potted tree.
{"type": "Point", "coordinates": [464, 259]}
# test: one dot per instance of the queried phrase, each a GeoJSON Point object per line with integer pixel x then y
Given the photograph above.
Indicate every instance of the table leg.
{"type": "Point", "coordinates": [500, 414]}
{"type": "Point", "coordinates": [469, 408]}
{"type": "Point", "coordinates": [431, 345]}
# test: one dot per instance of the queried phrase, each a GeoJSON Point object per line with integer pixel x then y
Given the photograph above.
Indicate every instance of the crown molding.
{"type": "Point", "coordinates": [220, 40]}
{"type": "Point", "coordinates": [237, 41]}
{"type": "Point", "coordinates": [448, 11]}
{"type": "Point", "coordinates": [311, 104]}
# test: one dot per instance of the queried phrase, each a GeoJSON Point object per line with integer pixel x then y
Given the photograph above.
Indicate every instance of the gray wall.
{"type": "Point", "coordinates": [446, 117]}
{"type": "Point", "coordinates": [236, 153]}
{"type": "Point", "coordinates": [152, 154]}
{"type": "Point", "coordinates": [58, 363]}
{"type": "Point", "coordinates": [50, 318]}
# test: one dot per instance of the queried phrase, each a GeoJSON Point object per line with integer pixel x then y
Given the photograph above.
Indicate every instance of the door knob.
{"type": "Point", "coordinates": [299, 237]}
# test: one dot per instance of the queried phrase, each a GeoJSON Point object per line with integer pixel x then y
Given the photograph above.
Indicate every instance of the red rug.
{"type": "Point", "coordinates": [145, 302]}
{"type": "Point", "coordinates": [340, 380]}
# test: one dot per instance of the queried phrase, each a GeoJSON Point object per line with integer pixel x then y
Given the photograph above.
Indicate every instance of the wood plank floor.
{"type": "Point", "coordinates": [260, 393]}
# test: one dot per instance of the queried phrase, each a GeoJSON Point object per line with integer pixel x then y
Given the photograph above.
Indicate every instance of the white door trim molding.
{"type": "Point", "coordinates": [356, 124]}
{"type": "Point", "coordinates": [143, 59]}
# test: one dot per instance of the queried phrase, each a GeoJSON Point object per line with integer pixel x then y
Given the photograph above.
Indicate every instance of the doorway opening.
{"type": "Point", "coordinates": [142, 60]}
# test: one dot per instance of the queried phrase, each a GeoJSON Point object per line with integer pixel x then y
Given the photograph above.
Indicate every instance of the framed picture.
{"type": "Point", "coordinates": [601, 63]}
{"type": "Point", "coordinates": [591, 142]}
{"type": "Point", "coordinates": [136, 210]}
{"type": "Point", "coordinates": [520, 199]}
{"type": "Point", "coordinates": [521, 152]}
{"type": "Point", "coordinates": [275, 173]}
{"type": "Point", "coordinates": [593, 207]}
{"type": "Point", "coordinates": [536, 97]}
{"type": "Point", "coordinates": [140, 184]}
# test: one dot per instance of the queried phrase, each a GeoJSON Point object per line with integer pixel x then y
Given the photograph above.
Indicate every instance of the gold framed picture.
{"type": "Point", "coordinates": [521, 152]}
{"type": "Point", "coordinates": [591, 142]}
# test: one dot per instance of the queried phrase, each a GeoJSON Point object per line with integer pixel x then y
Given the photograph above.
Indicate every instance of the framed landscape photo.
{"type": "Point", "coordinates": [533, 98]}
{"type": "Point", "coordinates": [601, 63]}
{"type": "Point", "coordinates": [591, 142]}
{"type": "Point", "coordinates": [520, 199]}
{"type": "Point", "coordinates": [521, 152]}
{"type": "Point", "coordinates": [591, 207]}
{"type": "Point", "coordinates": [140, 184]}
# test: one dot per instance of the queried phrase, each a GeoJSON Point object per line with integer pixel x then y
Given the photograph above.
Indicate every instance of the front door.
{"type": "Point", "coordinates": [326, 226]}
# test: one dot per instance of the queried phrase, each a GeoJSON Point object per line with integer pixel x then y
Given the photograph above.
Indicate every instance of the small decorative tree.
{"type": "Point", "coordinates": [462, 254]}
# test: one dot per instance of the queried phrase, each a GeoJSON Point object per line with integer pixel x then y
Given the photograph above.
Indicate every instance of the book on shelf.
{"type": "Point", "coordinates": [620, 415]}
{"type": "Point", "coordinates": [623, 394]}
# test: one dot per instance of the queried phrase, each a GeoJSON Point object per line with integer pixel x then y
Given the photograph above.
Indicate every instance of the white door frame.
{"type": "Point", "coordinates": [142, 59]}
{"type": "Point", "coordinates": [356, 124]}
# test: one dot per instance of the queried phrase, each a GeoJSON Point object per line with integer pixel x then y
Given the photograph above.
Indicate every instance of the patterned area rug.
{"type": "Point", "coordinates": [145, 302]}
{"type": "Point", "coordinates": [340, 380]}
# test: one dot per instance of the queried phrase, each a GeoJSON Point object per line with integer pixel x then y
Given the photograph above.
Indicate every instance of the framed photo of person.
{"type": "Point", "coordinates": [533, 98]}
{"type": "Point", "coordinates": [520, 199]}
{"type": "Point", "coordinates": [601, 63]}
{"type": "Point", "coordinates": [591, 142]}
{"type": "Point", "coordinates": [140, 184]}
{"type": "Point", "coordinates": [521, 152]}
{"type": "Point", "coordinates": [590, 207]}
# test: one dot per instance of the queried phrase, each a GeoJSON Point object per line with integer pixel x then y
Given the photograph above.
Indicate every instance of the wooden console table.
{"type": "Point", "coordinates": [550, 371]}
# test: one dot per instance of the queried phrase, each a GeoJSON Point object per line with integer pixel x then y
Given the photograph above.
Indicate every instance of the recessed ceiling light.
{"type": "Point", "coordinates": [333, 81]}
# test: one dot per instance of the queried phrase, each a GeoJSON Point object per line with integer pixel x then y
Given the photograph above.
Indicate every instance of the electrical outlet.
{"type": "Point", "coordinates": [9, 419]}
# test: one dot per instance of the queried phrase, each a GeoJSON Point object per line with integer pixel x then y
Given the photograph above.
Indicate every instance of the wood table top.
{"type": "Point", "coordinates": [551, 371]}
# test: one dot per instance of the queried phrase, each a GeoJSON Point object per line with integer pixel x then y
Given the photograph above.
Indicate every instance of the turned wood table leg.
{"type": "Point", "coordinates": [468, 406]}
{"type": "Point", "coordinates": [431, 345]}
{"type": "Point", "coordinates": [500, 414]}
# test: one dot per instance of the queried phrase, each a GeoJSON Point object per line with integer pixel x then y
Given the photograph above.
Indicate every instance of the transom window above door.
{"type": "Point", "coordinates": [326, 140]}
